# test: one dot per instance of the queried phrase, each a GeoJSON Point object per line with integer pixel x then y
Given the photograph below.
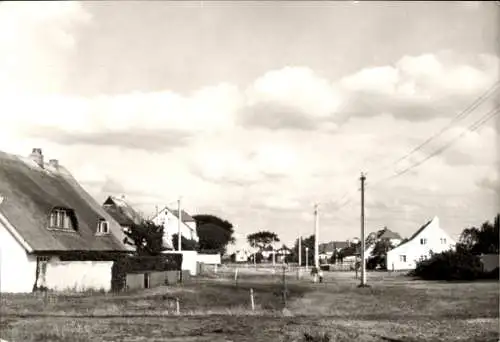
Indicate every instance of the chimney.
{"type": "Point", "coordinates": [54, 163]}
{"type": "Point", "coordinates": [37, 156]}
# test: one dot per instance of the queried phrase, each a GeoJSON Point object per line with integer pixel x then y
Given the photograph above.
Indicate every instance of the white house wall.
{"type": "Point", "coordinates": [189, 260]}
{"type": "Point", "coordinates": [17, 268]}
{"type": "Point", "coordinates": [210, 259]}
{"type": "Point", "coordinates": [170, 225]}
{"type": "Point", "coordinates": [414, 250]}
{"type": "Point", "coordinates": [79, 275]}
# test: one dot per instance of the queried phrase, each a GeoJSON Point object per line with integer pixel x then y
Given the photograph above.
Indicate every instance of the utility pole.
{"type": "Point", "coordinates": [316, 236]}
{"type": "Point", "coordinates": [179, 223]}
{"type": "Point", "coordinates": [307, 258]}
{"type": "Point", "coordinates": [300, 254]}
{"type": "Point", "coordinates": [363, 264]}
{"type": "Point", "coordinates": [254, 255]}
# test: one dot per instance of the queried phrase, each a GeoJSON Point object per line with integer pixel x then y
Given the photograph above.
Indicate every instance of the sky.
{"type": "Point", "coordinates": [254, 111]}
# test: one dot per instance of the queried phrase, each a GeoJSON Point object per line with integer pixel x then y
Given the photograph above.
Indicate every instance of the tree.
{"type": "Point", "coordinates": [378, 256]}
{"type": "Point", "coordinates": [214, 233]}
{"type": "Point", "coordinates": [258, 258]}
{"type": "Point", "coordinates": [146, 237]}
{"type": "Point", "coordinates": [333, 259]}
{"type": "Point", "coordinates": [484, 240]}
{"type": "Point", "coordinates": [262, 239]}
{"type": "Point", "coordinates": [450, 265]}
{"type": "Point", "coordinates": [186, 244]}
{"type": "Point", "coordinates": [306, 243]}
{"type": "Point", "coordinates": [351, 250]}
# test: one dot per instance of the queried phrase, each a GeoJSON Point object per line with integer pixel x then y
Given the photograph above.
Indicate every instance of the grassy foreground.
{"type": "Point", "coordinates": [394, 308]}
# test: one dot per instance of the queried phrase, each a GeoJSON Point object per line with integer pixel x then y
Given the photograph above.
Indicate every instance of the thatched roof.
{"type": "Point", "coordinates": [30, 192]}
{"type": "Point", "coordinates": [121, 211]}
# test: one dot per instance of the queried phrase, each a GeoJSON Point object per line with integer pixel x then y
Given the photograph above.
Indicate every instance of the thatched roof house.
{"type": "Point", "coordinates": [45, 213]}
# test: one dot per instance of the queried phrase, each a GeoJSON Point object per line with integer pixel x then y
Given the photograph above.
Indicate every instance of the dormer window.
{"type": "Point", "coordinates": [61, 218]}
{"type": "Point", "coordinates": [102, 227]}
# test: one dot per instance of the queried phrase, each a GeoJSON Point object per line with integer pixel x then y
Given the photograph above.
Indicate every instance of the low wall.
{"type": "Point", "coordinates": [78, 275]}
{"type": "Point", "coordinates": [137, 281]}
{"type": "Point", "coordinates": [189, 260]}
{"type": "Point", "coordinates": [210, 259]}
{"type": "Point", "coordinates": [490, 262]}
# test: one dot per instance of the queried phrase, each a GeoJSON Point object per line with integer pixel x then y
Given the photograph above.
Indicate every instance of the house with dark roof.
{"type": "Point", "coordinates": [429, 238]}
{"type": "Point", "coordinates": [170, 219]}
{"type": "Point", "coordinates": [385, 234]}
{"type": "Point", "coordinates": [121, 211]}
{"type": "Point", "coordinates": [45, 217]}
{"type": "Point", "coordinates": [326, 250]}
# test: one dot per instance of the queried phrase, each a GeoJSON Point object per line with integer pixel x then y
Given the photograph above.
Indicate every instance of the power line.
{"type": "Point", "coordinates": [462, 114]}
{"type": "Point", "coordinates": [485, 118]}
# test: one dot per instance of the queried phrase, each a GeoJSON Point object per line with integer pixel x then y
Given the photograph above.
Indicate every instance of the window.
{"type": "Point", "coordinates": [61, 219]}
{"type": "Point", "coordinates": [103, 227]}
{"type": "Point", "coordinates": [42, 258]}
{"type": "Point", "coordinates": [423, 241]}
{"type": "Point", "coordinates": [443, 241]}
{"type": "Point", "coordinates": [402, 258]}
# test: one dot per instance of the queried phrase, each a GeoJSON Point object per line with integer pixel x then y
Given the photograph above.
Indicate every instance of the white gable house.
{"type": "Point", "coordinates": [169, 219]}
{"type": "Point", "coordinates": [430, 237]}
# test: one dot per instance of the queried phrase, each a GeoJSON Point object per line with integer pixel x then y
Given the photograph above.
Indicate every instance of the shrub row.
{"type": "Point", "coordinates": [452, 265]}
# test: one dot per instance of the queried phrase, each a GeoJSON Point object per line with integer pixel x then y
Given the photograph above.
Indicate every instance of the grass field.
{"type": "Point", "coordinates": [394, 308]}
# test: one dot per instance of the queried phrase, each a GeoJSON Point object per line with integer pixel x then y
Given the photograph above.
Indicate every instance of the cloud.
{"type": "Point", "coordinates": [156, 120]}
{"type": "Point", "coordinates": [490, 182]}
{"type": "Point", "coordinates": [292, 97]}
{"type": "Point", "coordinates": [261, 153]}
{"type": "Point", "coordinates": [153, 140]}
{"type": "Point", "coordinates": [36, 44]}
{"type": "Point", "coordinates": [420, 87]}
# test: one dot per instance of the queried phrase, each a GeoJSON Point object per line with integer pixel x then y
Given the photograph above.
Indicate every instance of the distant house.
{"type": "Point", "coordinates": [267, 252]}
{"type": "Point", "coordinates": [384, 234]}
{"type": "Point", "coordinates": [326, 249]}
{"type": "Point", "coordinates": [282, 253]}
{"type": "Point", "coordinates": [169, 219]}
{"type": "Point", "coordinates": [428, 238]}
{"type": "Point", "coordinates": [242, 255]}
{"type": "Point", "coordinates": [53, 234]}
{"type": "Point", "coordinates": [122, 212]}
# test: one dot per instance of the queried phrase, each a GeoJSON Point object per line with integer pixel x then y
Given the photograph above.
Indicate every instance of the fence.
{"type": "Point", "coordinates": [340, 267]}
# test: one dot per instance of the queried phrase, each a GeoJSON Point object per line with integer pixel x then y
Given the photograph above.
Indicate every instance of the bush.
{"type": "Point", "coordinates": [450, 265]}
{"type": "Point", "coordinates": [316, 337]}
{"type": "Point", "coordinates": [492, 274]}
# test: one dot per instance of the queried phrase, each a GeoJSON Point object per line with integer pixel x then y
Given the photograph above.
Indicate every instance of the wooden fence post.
{"type": "Point", "coordinates": [252, 300]}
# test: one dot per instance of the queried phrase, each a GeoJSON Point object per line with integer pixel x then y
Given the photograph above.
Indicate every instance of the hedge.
{"type": "Point", "coordinates": [451, 265]}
